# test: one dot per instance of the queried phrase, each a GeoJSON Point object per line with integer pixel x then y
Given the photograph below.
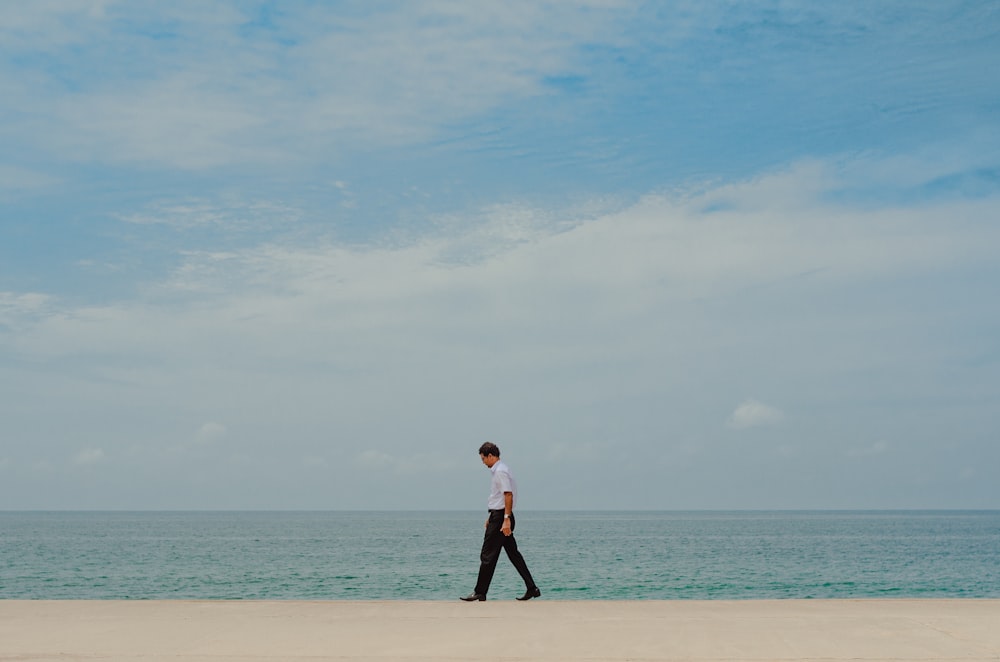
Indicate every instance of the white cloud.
{"type": "Point", "coordinates": [223, 99]}
{"type": "Point", "coordinates": [560, 284]}
{"type": "Point", "coordinates": [372, 459]}
{"type": "Point", "coordinates": [89, 456]}
{"type": "Point", "coordinates": [22, 307]}
{"type": "Point", "coordinates": [751, 414]}
{"type": "Point", "coordinates": [182, 121]}
{"type": "Point", "coordinates": [210, 433]}
{"type": "Point", "coordinates": [231, 215]}
{"type": "Point", "coordinates": [50, 23]}
{"type": "Point", "coordinates": [878, 448]}
{"type": "Point", "coordinates": [315, 462]}
{"type": "Point", "coordinates": [578, 452]}
{"type": "Point", "coordinates": [403, 465]}
{"type": "Point", "coordinates": [579, 329]}
{"type": "Point", "coordinates": [14, 179]}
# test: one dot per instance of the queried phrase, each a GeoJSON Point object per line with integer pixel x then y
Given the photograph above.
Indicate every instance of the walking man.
{"type": "Point", "coordinates": [500, 528]}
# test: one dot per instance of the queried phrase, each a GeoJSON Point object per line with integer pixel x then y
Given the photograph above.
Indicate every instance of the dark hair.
{"type": "Point", "coordinates": [489, 448]}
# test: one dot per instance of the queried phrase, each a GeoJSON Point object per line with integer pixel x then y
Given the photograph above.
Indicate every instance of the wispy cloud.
{"type": "Point", "coordinates": [181, 121]}
{"type": "Point", "coordinates": [372, 459]}
{"type": "Point", "coordinates": [89, 456]}
{"type": "Point", "coordinates": [231, 216]}
{"type": "Point", "coordinates": [544, 276]}
{"type": "Point", "coordinates": [18, 309]}
{"type": "Point", "coordinates": [15, 179]}
{"type": "Point", "coordinates": [210, 433]}
{"type": "Point", "coordinates": [374, 75]}
{"type": "Point", "coordinates": [753, 413]}
{"type": "Point", "coordinates": [661, 291]}
{"type": "Point", "coordinates": [878, 448]}
{"type": "Point", "coordinates": [376, 461]}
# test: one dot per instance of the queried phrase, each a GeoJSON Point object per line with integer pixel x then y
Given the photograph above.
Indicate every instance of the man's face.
{"type": "Point", "coordinates": [488, 460]}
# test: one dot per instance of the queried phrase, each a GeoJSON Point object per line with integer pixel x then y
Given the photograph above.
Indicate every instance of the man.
{"type": "Point", "coordinates": [500, 528]}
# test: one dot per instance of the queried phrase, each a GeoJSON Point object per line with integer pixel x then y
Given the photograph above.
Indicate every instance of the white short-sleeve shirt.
{"type": "Point", "coordinates": [502, 482]}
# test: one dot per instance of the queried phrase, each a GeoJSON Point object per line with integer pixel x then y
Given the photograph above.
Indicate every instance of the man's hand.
{"type": "Point", "coordinates": [505, 529]}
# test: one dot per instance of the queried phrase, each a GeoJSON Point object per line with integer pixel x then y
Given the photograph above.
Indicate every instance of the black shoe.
{"type": "Point", "coordinates": [473, 597]}
{"type": "Point", "coordinates": [531, 593]}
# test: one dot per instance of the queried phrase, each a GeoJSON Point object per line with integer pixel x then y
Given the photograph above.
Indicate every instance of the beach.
{"type": "Point", "coordinates": [202, 631]}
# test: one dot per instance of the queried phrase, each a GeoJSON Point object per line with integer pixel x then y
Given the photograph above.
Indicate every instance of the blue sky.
{"type": "Point", "coordinates": [666, 255]}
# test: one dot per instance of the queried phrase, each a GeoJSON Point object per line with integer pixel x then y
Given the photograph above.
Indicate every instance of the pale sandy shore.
{"type": "Point", "coordinates": [501, 630]}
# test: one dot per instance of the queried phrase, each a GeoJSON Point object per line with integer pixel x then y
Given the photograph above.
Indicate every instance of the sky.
{"type": "Point", "coordinates": [684, 255]}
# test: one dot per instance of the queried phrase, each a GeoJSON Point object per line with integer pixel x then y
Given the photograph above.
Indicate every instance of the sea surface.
{"type": "Point", "coordinates": [434, 555]}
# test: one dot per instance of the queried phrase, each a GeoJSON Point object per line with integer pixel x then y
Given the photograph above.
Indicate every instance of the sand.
{"type": "Point", "coordinates": [196, 631]}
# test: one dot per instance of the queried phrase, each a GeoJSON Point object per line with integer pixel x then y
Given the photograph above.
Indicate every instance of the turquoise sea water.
{"type": "Point", "coordinates": [434, 555]}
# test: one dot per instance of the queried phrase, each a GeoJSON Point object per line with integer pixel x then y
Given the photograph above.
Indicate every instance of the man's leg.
{"type": "Point", "coordinates": [492, 542]}
{"type": "Point", "coordinates": [510, 546]}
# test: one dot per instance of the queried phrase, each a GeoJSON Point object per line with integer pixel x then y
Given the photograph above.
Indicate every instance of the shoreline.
{"type": "Point", "coordinates": [542, 629]}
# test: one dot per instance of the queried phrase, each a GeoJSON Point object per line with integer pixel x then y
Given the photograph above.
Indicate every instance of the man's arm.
{"type": "Point", "coordinates": [508, 510]}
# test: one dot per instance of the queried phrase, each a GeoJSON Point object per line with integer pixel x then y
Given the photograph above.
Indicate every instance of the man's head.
{"type": "Point", "coordinates": [489, 453]}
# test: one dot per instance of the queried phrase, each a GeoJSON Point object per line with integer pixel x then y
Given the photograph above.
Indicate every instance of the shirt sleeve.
{"type": "Point", "coordinates": [503, 480]}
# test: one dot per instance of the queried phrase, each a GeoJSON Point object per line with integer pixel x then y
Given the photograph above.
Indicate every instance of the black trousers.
{"type": "Point", "coordinates": [493, 541]}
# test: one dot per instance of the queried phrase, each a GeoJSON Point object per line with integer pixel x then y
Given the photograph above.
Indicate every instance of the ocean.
{"type": "Point", "coordinates": [434, 555]}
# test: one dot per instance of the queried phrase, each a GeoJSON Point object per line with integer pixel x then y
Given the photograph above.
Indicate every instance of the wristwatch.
{"type": "Point", "coordinates": [506, 516]}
